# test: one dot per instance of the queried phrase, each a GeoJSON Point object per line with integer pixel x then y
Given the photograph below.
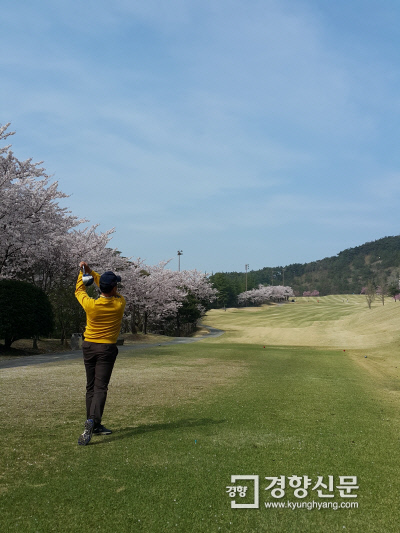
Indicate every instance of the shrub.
{"type": "Point", "coordinates": [25, 311]}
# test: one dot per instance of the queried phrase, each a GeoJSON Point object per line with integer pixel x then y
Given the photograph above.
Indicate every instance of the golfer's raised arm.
{"type": "Point", "coordinates": [83, 264]}
{"type": "Point", "coordinates": [80, 289]}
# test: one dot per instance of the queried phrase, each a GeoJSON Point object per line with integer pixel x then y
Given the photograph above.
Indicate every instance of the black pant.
{"type": "Point", "coordinates": [99, 362]}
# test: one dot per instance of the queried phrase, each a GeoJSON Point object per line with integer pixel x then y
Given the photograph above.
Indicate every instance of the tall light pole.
{"type": "Point", "coordinates": [246, 268]}
{"type": "Point", "coordinates": [179, 260]}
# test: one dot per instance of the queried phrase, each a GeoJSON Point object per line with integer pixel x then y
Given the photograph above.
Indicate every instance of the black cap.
{"type": "Point", "coordinates": [109, 279]}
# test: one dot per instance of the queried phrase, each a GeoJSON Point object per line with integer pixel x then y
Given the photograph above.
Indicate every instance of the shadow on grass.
{"type": "Point", "coordinates": [128, 432]}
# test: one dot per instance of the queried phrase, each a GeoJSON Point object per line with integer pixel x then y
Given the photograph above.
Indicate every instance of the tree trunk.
{"type": "Point", "coordinates": [133, 323]}
{"type": "Point", "coordinates": [8, 341]}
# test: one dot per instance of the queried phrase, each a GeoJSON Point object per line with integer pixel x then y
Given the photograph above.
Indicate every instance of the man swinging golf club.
{"type": "Point", "coordinates": [103, 323]}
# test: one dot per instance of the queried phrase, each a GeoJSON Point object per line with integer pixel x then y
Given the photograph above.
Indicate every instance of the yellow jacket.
{"type": "Point", "coordinates": [103, 315]}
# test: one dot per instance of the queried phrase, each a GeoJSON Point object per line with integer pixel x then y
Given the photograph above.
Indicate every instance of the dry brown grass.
{"type": "Point", "coordinates": [141, 338]}
{"type": "Point", "coordinates": [170, 381]}
{"type": "Point", "coordinates": [330, 323]}
{"type": "Point", "coordinates": [141, 381]}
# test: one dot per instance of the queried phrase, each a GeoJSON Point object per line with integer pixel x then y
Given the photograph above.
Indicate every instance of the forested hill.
{"type": "Point", "coordinates": [345, 273]}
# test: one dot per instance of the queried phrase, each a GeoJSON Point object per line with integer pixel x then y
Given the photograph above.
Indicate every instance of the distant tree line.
{"type": "Point", "coordinates": [376, 262]}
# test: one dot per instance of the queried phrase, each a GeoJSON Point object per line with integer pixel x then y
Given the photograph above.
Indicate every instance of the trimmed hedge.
{"type": "Point", "coordinates": [25, 311]}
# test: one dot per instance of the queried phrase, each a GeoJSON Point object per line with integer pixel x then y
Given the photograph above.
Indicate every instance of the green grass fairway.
{"type": "Point", "coordinates": [260, 400]}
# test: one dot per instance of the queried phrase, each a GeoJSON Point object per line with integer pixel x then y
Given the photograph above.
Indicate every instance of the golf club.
{"type": "Point", "coordinates": [86, 278]}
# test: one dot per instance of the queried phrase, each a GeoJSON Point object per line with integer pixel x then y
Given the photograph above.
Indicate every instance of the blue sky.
{"type": "Point", "coordinates": [241, 132]}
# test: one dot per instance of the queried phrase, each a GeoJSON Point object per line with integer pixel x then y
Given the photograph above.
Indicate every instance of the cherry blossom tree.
{"type": "Point", "coordinates": [198, 284]}
{"type": "Point", "coordinates": [60, 264]}
{"type": "Point", "coordinates": [41, 240]}
{"type": "Point", "coordinates": [264, 294]}
{"type": "Point", "coordinates": [151, 292]}
{"type": "Point", "coordinates": [154, 294]}
{"type": "Point", "coordinates": [43, 243]}
{"type": "Point", "coordinates": [31, 219]}
{"type": "Point", "coordinates": [200, 293]}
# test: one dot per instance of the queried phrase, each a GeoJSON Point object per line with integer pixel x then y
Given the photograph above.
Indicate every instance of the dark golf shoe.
{"type": "Point", "coordinates": [86, 436]}
{"type": "Point", "coordinates": [101, 430]}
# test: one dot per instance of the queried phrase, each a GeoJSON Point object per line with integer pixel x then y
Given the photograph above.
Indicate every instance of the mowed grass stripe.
{"type": "Point", "coordinates": [186, 419]}
{"type": "Point", "coordinates": [344, 322]}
